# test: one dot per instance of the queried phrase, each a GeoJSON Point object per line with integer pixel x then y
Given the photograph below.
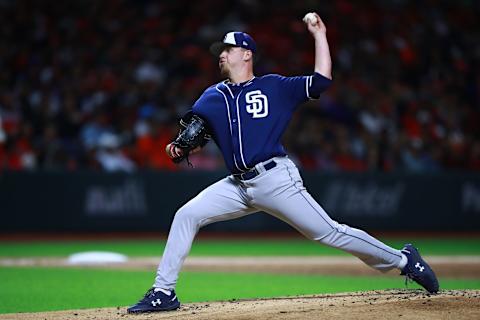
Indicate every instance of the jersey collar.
{"type": "Point", "coordinates": [241, 84]}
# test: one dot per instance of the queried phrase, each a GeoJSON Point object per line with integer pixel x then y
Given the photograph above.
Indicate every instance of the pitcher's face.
{"type": "Point", "coordinates": [231, 58]}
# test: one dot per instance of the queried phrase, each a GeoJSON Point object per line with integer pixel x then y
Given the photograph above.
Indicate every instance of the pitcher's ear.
{"type": "Point", "coordinates": [247, 55]}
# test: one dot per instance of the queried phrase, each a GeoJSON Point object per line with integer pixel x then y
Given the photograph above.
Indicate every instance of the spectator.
{"type": "Point", "coordinates": [73, 72]}
{"type": "Point", "coordinates": [110, 156]}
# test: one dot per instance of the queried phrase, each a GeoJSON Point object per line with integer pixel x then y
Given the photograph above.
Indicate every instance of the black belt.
{"type": "Point", "coordinates": [252, 173]}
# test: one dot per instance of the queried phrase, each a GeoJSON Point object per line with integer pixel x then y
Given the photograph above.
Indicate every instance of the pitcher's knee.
{"type": "Point", "coordinates": [330, 237]}
{"type": "Point", "coordinates": [186, 214]}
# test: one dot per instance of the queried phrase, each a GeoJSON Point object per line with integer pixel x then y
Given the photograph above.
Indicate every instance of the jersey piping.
{"type": "Point", "coordinates": [229, 122]}
{"type": "Point", "coordinates": [240, 132]}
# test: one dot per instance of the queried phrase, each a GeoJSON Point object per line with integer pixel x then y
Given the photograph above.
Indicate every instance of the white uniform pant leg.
{"type": "Point", "coordinates": [223, 200]}
{"type": "Point", "coordinates": [281, 193]}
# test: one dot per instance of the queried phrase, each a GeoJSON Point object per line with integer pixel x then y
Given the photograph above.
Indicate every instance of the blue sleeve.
{"type": "Point", "coordinates": [187, 118]}
{"type": "Point", "coordinates": [201, 101]}
{"type": "Point", "coordinates": [302, 88]}
{"type": "Point", "coordinates": [318, 84]}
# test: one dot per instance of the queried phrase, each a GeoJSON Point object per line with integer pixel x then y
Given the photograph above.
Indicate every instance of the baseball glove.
{"type": "Point", "coordinates": [193, 134]}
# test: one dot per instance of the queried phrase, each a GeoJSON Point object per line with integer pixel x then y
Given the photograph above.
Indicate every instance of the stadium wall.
{"type": "Point", "coordinates": [146, 201]}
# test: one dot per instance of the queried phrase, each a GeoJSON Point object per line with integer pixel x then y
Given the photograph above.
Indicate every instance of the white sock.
{"type": "Point", "coordinates": [402, 262]}
{"type": "Point", "coordinates": [167, 292]}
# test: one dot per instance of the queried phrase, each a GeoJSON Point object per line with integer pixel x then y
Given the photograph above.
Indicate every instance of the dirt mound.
{"type": "Point", "coordinates": [372, 305]}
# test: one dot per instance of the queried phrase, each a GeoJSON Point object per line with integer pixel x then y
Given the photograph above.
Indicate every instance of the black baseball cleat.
{"type": "Point", "coordinates": [156, 301]}
{"type": "Point", "coordinates": [418, 270]}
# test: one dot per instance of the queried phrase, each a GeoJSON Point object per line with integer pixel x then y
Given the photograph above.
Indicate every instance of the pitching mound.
{"type": "Point", "coordinates": [385, 305]}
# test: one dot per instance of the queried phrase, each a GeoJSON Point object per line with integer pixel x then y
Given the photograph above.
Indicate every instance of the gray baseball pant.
{"type": "Point", "coordinates": [279, 192]}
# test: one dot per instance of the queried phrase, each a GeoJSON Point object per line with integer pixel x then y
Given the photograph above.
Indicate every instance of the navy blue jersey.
{"type": "Point", "coordinates": [247, 120]}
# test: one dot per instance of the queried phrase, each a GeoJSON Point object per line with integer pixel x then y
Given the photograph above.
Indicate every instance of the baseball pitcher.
{"type": "Point", "coordinates": [246, 116]}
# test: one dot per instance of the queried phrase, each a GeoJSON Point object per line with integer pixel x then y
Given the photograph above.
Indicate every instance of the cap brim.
{"type": "Point", "coordinates": [217, 47]}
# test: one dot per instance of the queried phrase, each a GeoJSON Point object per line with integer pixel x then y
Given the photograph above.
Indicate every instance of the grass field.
{"type": "Point", "coordinates": [226, 247]}
{"type": "Point", "coordinates": [59, 289]}
{"type": "Point", "coordinates": [24, 289]}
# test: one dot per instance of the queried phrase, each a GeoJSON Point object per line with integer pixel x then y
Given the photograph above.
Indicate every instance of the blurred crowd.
{"type": "Point", "coordinates": [102, 84]}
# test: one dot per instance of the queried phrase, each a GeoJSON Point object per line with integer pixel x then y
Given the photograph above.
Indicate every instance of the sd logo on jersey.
{"type": "Point", "coordinates": [257, 104]}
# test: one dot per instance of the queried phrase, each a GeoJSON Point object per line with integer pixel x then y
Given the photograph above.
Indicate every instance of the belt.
{"type": "Point", "coordinates": [252, 173]}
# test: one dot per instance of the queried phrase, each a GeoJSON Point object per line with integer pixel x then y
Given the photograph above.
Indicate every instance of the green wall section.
{"type": "Point", "coordinates": [147, 201]}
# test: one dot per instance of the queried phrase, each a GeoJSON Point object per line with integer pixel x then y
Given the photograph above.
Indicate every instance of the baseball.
{"type": "Point", "coordinates": [310, 17]}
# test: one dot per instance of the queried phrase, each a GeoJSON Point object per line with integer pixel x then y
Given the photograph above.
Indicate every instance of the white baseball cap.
{"type": "Point", "coordinates": [234, 39]}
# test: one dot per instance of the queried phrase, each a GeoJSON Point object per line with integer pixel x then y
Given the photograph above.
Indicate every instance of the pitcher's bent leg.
{"type": "Point", "coordinates": [220, 201]}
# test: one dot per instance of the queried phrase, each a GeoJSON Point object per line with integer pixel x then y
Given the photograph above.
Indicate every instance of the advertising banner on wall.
{"type": "Point", "coordinates": [147, 201]}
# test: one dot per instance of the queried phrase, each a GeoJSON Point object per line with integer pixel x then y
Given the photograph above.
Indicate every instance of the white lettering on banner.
{"type": "Point", "coordinates": [118, 200]}
{"type": "Point", "coordinates": [258, 104]}
{"type": "Point", "coordinates": [363, 200]}
{"type": "Point", "coordinates": [470, 198]}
